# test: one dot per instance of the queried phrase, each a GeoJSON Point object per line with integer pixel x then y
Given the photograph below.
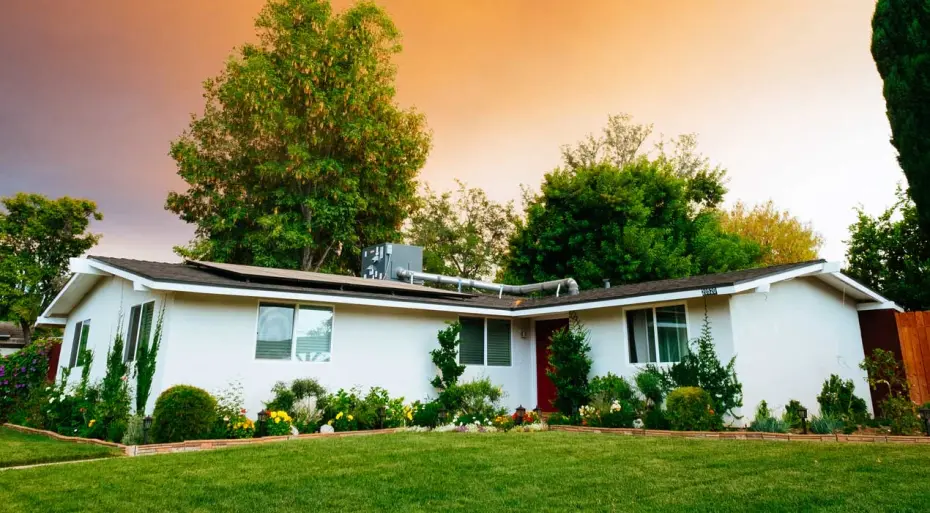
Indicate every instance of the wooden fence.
{"type": "Point", "coordinates": [914, 335]}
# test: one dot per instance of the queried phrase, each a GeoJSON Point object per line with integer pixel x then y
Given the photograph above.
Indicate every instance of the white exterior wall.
{"type": "Point", "coordinates": [608, 333]}
{"type": "Point", "coordinates": [103, 305]}
{"type": "Point", "coordinates": [791, 339]}
{"type": "Point", "coordinates": [212, 343]}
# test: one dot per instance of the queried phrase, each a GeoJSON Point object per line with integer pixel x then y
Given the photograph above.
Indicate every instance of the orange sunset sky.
{"type": "Point", "coordinates": [784, 94]}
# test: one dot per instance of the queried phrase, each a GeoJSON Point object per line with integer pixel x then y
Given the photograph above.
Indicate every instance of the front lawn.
{"type": "Point", "coordinates": [18, 448]}
{"type": "Point", "coordinates": [551, 471]}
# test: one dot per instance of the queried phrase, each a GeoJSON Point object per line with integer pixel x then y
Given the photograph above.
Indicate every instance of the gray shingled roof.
{"type": "Point", "coordinates": [11, 335]}
{"type": "Point", "coordinates": [190, 274]}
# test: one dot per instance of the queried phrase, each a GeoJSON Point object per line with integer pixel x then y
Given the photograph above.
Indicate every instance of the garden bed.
{"type": "Point", "coordinates": [747, 435]}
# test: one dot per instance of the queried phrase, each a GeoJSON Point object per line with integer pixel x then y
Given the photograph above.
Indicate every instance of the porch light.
{"type": "Point", "coordinates": [146, 426]}
{"type": "Point", "coordinates": [262, 421]}
{"type": "Point", "coordinates": [521, 412]}
{"type": "Point", "coordinates": [802, 413]}
{"type": "Point", "coordinates": [925, 416]}
{"type": "Point", "coordinates": [538, 412]}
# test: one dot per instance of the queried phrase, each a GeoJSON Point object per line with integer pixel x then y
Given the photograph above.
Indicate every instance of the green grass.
{"type": "Point", "coordinates": [528, 472]}
{"type": "Point", "coordinates": [18, 448]}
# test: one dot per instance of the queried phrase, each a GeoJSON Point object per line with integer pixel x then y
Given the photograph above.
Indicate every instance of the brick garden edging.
{"type": "Point", "coordinates": [192, 445]}
{"type": "Point", "coordinates": [747, 435]}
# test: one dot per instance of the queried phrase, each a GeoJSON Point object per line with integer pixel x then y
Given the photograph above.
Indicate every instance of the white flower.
{"type": "Point", "coordinates": [51, 400]}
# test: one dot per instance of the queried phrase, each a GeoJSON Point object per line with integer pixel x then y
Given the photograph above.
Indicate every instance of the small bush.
{"type": "Point", "coordinates": [606, 412]}
{"type": "Point", "coordinates": [691, 409]}
{"type": "Point", "coordinates": [792, 415]}
{"type": "Point", "coordinates": [826, 424]}
{"type": "Point", "coordinates": [342, 408]}
{"type": "Point", "coordinates": [479, 398]}
{"type": "Point", "coordinates": [133, 434]}
{"type": "Point", "coordinates": [656, 419]}
{"type": "Point", "coordinates": [560, 419]}
{"type": "Point", "coordinates": [612, 387]}
{"type": "Point", "coordinates": [278, 423]}
{"type": "Point", "coordinates": [426, 414]}
{"type": "Point", "coordinates": [307, 415]}
{"type": "Point", "coordinates": [901, 416]}
{"type": "Point", "coordinates": [837, 398]}
{"type": "Point", "coordinates": [183, 413]}
{"type": "Point", "coordinates": [284, 398]}
{"type": "Point", "coordinates": [651, 384]}
{"type": "Point", "coordinates": [769, 425]}
{"type": "Point", "coordinates": [569, 366]}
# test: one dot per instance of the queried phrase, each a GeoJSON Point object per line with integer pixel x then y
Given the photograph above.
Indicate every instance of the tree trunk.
{"type": "Point", "coordinates": [27, 331]}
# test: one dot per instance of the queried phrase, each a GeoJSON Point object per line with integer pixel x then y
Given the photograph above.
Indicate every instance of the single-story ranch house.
{"type": "Point", "coordinates": [790, 326]}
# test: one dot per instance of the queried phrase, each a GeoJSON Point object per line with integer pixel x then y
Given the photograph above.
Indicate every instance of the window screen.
{"type": "Point", "coordinates": [275, 332]}
{"type": "Point", "coordinates": [471, 341]}
{"type": "Point", "coordinates": [314, 333]}
{"type": "Point", "coordinates": [498, 342]}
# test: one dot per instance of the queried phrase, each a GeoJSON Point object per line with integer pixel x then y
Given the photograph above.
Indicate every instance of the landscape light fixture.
{"type": "Point", "coordinates": [802, 412]}
{"type": "Point", "coordinates": [146, 426]}
{"type": "Point", "coordinates": [521, 412]}
{"type": "Point", "coordinates": [262, 422]}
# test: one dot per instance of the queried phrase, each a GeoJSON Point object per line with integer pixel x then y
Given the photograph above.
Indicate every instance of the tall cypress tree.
{"type": "Point", "coordinates": [901, 49]}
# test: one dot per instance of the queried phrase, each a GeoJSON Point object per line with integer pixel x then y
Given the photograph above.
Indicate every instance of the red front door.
{"type": "Point", "coordinates": [545, 390]}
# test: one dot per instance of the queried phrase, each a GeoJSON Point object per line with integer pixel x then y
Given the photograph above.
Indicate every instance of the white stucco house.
{"type": "Point", "coordinates": [790, 326]}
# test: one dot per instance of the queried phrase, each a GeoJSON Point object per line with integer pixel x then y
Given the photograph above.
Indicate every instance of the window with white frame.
{"type": "Point", "coordinates": [485, 342]}
{"type": "Point", "coordinates": [658, 334]}
{"type": "Point", "coordinates": [79, 343]}
{"type": "Point", "coordinates": [139, 329]}
{"type": "Point", "coordinates": [294, 332]}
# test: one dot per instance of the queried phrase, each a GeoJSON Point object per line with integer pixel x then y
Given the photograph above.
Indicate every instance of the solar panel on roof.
{"type": "Point", "coordinates": [248, 271]}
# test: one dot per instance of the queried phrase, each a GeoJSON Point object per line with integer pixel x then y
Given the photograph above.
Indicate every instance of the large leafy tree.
{"type": "Point", "coordinates": [890, 254]}
{"type": "Point", "coordinates": [462, 235]}
{"type": "Point", "coordinates": [784, 238]}
{"type": "Point", "coordinates": [901, 49]}
{"type": "Point", "coordinates": [37, 238]}
{"type": "Point", "coordinates": [631, 224]}
{"type": "Point", "coordinates": [301, 155]}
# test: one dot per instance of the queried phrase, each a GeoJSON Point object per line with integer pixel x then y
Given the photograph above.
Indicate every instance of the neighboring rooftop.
{"type": "Point", "coordinates": [248, 277]}
{"type": "Point", "coordinates": [11, 336]}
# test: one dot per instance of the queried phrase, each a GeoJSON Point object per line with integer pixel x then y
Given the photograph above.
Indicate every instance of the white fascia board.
{"type": "Point", "coordinates": [84, 266]}
{"type": "Point", "coordinates": [61, 293]}
{"type": "Point", "coordinates": [787, 275]}
{"type": "Point", "coordinates": [51, 321]}
{"type": "Point", "coordinates": [875, 296]}
{"type": "Point", "coordinates": [627, 301]}
{"type": "Point", "coordinates": [879, 306]}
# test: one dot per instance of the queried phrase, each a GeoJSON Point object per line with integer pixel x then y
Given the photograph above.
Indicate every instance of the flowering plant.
{"type": "Point", "coordinates": [240, 427]}
{"type": "Point", "coordinates": [20, 373]}
{"type": "Point", "coordinates": [503, 422]}
{"type": "Point", "coordinates": [278, 423]}
{"type": "Point", "coordinates": [343, 422]}
{"type": "Point", "coordinates": [528, 418]}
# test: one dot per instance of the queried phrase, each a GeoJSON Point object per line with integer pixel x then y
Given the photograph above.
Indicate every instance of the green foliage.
{"type": "Point", "coordinates": [837, 398]}
{"type": "Point", "coordinates": [21, 373]}
{"type": "Point", "coordinates": [901, 49]}
{"type": "Point", "coordinates": [349, 410]}
{"type": "Point", "coordinates": [792, 415]}
{"type": "Point", "coordinates": [651, 384]}
{"type": "Point", "coordinates": [901, 415]}
{"type": "Point", "coordinates": [466, 236]}
{"type": "Point", "coordinates": [612, 387]}
{"type": "Point", "coordinates": [286, 396]}
{"type": "Point", "coordinates": [826, 424]}
{"type": "Point", "coordinates": [559, 419]}
{"type": "Point", "coordinates": [569, 366]}
{"type": "Point", "coordinates": [146, 360]}
{"type": "Point", "coordinates": [656, 418]}
{"type": "Point", "coordinates": [133, 434]}
{"type": "Point", "coordinates": [631, 224]}
{"type": "Point", "coordinates": [603, 411]}
{"type": "Point", "coordinates": [764, 422]}
{"type": "Point", "coordinates": [427, 414]}
{"type": "Point", "coordinates": [691, 409]}
{"type": "Point", "coordinates": [445, 358]}
{"type": "Point", "coordinates": [890, 253]}
{"type": "Point", "coordinates": [37, 238]}
{"type": "Point", "coordinates": [302, 156]}
{"type": "Point", "coordinates": [885, 371]}
{"type": "Point", "coordinates": [701, 368]}
{"type": "Point", "coordinates": [115, 400]}
{"type": "Point", "coordinates": [478, 398]}
{"type": "Point", "coordinates": [183, 412]}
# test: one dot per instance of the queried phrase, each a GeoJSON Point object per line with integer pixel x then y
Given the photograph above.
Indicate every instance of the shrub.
{"type": "Point", "coordinates": [656, 419]}
{"type": "Point", "coordinates": [112, 413]}
{"type": "Point", "coordinates": [446, 358]}
{"type": "Point", "coordinates": [146, 358]}
{"type": "Point", "coordinates": [133, 434]}
{"type": "Point", "coordinates": [307, 387]}
{"type": "Point", "coordinates": [603, 411]}
{"type": "Point", "coordinates": [651, 384]}
{"type": "Point", "coordinates": [278, 423]}
{"type": "Point", "coordinates": [691, 409]}
{"type": "Point", "coordinates": [764, 422]}
{"type": "Point", "coordinates": [294, 397]}
{"type": "Point", "coordinates": [378, 410]}
{"type": "Point", "coordinates": [284, 398]}
{"type": "Point", "coordinates": [21, 373]}
{"type": "Point", "coordinates": [307, 415]}
{"type": "Point", "coordinates": [183, 413]}
{"type": "Point", "coordinates": [504, 422]}
{"type": "Point", "coordinates": [229, 410]}
{"type": "Point", "coordinates": [479, 398]}
{"type": "Point", "coordinates": [702, 368]}
{"type": "Point", "coordinates": [426, 414]}
{"type": "Point", "coordinates": [560, 419]}
{"type": "Point", "coordinates": [792, 416]}
{"type": "Point", "coordinates": [611, 387]}
{"type": "Point", "coordinates": [837, 398]}
{"type": "Point", "coordinates": [341, 409]}
{"type": "Point", "coordinates": [569, 366]}
{"type": "Point", "coordinates": [901, 415]}
{"type": "Point", "coordinates": [826, 424]}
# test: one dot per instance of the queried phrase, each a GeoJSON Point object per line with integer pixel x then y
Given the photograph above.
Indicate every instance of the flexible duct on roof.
{"type": "Point", "coordinates": [517, 290]}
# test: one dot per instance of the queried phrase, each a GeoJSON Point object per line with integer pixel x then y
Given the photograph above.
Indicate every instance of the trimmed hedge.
{"type": "Point", "coordinates": [691, 409]}
{"type": "Point", "coordinates": [183, 413]}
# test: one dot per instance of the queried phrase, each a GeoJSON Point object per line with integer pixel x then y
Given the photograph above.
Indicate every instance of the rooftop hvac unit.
{"type": "Point", "coordinates": [381, 262]}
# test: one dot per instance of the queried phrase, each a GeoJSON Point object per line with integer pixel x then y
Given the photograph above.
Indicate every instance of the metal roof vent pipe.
{"type": "Point", "coordinates": [606, 283]}
{"type": "Point", "coordinates": [501, 289]}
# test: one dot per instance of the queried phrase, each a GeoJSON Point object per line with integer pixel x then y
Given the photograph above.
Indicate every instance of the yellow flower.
{"type": "Point", "coordinates": [92, 422]}
{"type": "Point", "coordinates": [351, 417]}
{"type": "Point", "coordinates": [338, 415]}
{"type": "Point", "coordinates": [330, 422]}
{"type": "Point", "coordinates": [277, 420]}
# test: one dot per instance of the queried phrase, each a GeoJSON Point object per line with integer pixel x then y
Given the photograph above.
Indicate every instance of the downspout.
{"type": "Point", "coordinates": [501, 289]}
